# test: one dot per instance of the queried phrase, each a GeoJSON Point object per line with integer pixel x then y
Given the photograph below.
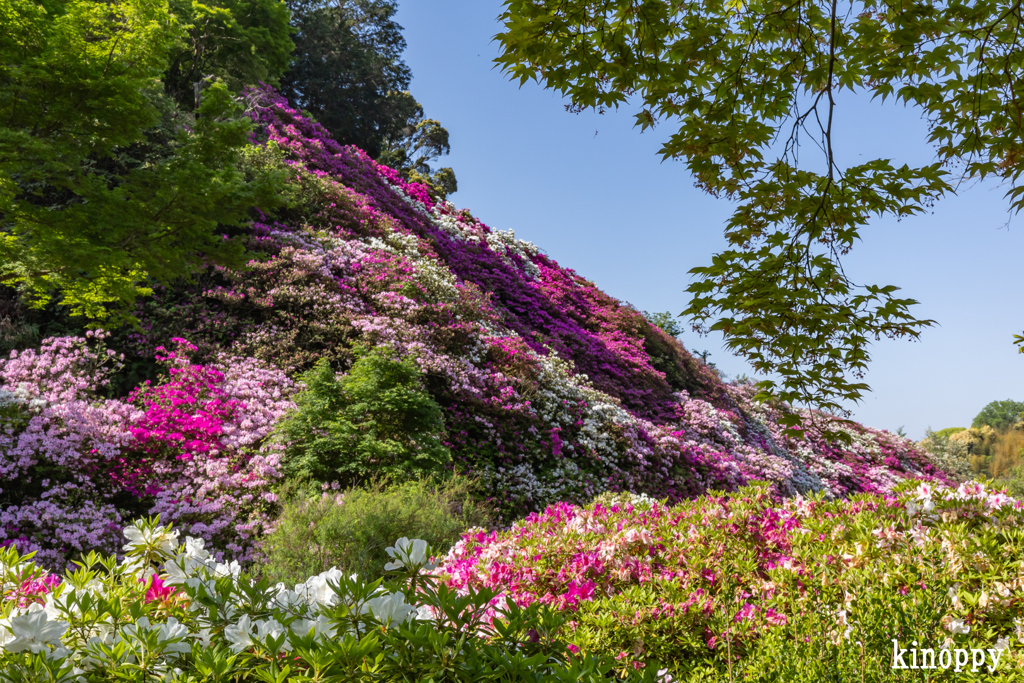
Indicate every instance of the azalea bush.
{"type": "Point", "coordinates": [171, 612]}
{"type": "Point", "coordinates": [739, 585]}
{"type": "Point", "coordinates": [351, 528]}
{"type": "Point", "coordinates": [193, 447]}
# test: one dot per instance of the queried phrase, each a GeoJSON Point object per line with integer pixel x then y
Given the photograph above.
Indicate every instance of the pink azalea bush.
{"type": "Point", "coordinates": [731, 579]}
{"type": "Point", "coordinates": [193, 448]}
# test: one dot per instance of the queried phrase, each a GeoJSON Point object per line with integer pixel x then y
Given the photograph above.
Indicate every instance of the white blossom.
{"type": "Point", "coordinates": [32, 631]}
{"type": "Point", "coordinates": [406, 553]}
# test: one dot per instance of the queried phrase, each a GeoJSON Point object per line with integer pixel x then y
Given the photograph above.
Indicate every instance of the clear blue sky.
{"type": "Point", "coordinates": [592, 192]}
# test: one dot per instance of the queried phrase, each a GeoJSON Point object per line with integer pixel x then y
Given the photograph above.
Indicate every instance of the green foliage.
{"type": "Point", "coordinates": [952, 455]}
{"type": "Point", "coordinates": [350, 529]}
{"type": "Point", "coordinates": [348, 74]}
{"type": "Point", "coordinates": [422, 141]}
{"type": "Point", "coordinates": [375, 421]}
{"type": "Point", "coordinates": [1013, 480]}
{"type": "Point", "coordinates": [666, 322]}
{"type": "Point", "coordinates": [743, 82]}
{"type": "Point", "coordinates": [104, 186]}
{"type": "Point", "coordinates": [347, 70]}
{"type": "Point", "coordinates": [240, 42]}
{"type": "Point", "coordinates": [982, 449]}
{"type": "Point", "coordinates": [999, 414]}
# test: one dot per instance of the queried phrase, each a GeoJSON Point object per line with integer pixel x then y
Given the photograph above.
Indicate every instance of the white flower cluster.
{"type": "Point", "coordinates": [21, 396]}
{"type": "Point", "coordinates": [408, 554]}
{"type": "Point", "coordinates": [9, 398]}
{"type": "Point", "coordinates": [223, 606]}
{"type": "Point", "coordinates": [501, 242]}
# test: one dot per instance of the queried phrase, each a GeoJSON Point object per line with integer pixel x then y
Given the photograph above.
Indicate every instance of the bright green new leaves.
{"type": "Point", "coordinates": [104, 185]}
{"type": "Point", "coordinates": [746, 83]}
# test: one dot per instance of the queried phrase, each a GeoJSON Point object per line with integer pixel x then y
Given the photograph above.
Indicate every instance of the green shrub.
{"type": "Point", "coordinates": [1013, 480]}
{"type": "Point", "coordinates": [350, 529]}
{"type": "Point", "coordinates": [375, 421]}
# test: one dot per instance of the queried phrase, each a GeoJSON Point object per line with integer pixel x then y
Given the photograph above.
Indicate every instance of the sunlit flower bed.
{"type": "Point", "coordinates": [173, 613]}
{"type": "Point", "coordinates": [739, 584]}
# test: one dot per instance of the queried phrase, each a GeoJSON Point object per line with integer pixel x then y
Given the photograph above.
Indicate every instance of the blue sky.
{"type": "Point", "coordinates": [593, 193]}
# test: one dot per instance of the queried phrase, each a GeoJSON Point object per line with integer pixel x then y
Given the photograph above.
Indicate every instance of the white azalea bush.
{"type": "Point", "coordinates": [171, 612]}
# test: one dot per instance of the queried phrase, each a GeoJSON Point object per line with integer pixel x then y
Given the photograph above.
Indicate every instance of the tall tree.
{"type": "Point", "coordinates": [347, 72]}
{"type": "Point", "coordinates": [744, 82]}
{"type": "Point", "coordinates": [105, 186]}
{"type": "Point", "coordinates": [1000, 414]}
{"type": "Point", "coordinates": [240, 42]}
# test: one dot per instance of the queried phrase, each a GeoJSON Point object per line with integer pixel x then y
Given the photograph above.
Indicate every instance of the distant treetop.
{"type": "Point", "coordinates": [999, 414]}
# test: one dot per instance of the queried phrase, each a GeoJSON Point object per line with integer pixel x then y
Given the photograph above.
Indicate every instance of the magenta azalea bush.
{"type": "Point", "coordinates": [550, 389]}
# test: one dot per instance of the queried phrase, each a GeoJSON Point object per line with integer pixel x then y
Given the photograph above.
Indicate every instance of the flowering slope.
{"type": "Point", "coordinates": [550, 389]}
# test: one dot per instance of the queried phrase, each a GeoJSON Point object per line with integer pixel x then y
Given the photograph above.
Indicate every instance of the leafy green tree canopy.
{"type": "Point", "coordinates": [743, 82]}
{"type": "Point", "coordinates": [666, 322]}
{"type": "Point", "coordinates": [240, 42]}
{"type": "Point", "coordinates": [105, 186]}
{"type": "Point", "coordinates": [349, 75]}
{"type": "Point", "coordinates": [999, 414]}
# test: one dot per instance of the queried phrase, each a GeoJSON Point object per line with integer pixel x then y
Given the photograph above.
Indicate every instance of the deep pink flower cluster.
{"type": "Point", "coordinates": [185, 414]}
{"type": "Point", "coordinates": [35, 590]}
{"type": "Point", "coordinates": [567, 554]}
{"type": "Point", "coordinates": [193, 448]}
{"type": "Point", "coordinates": [156, 590]}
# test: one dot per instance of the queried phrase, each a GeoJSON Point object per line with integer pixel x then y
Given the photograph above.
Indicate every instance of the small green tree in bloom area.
{"type": "Point", "coordinates": [376, 420]}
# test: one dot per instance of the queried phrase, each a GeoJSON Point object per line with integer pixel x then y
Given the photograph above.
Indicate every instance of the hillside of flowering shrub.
{"type": "Point", "coordinates": [447, 344]}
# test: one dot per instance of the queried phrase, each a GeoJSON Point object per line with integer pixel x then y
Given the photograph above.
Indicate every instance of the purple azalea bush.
{"type": "Point", "coordinates": [551, 389]}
